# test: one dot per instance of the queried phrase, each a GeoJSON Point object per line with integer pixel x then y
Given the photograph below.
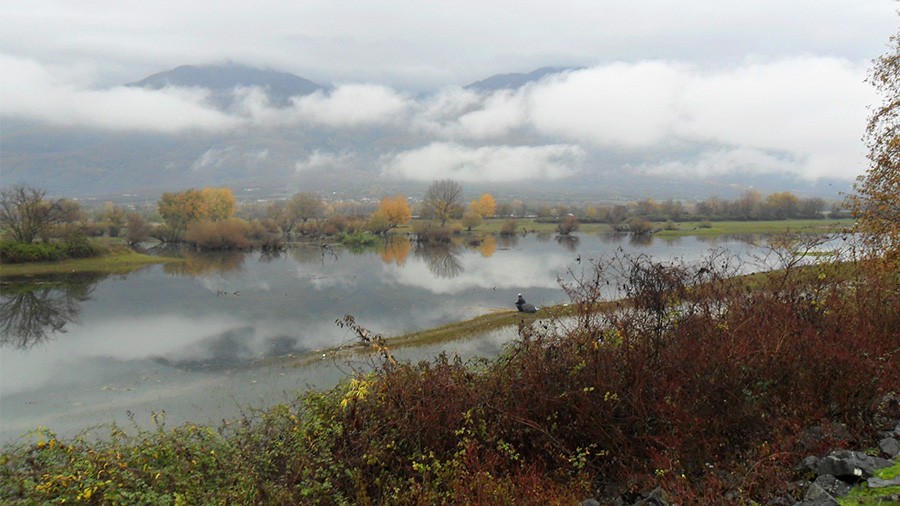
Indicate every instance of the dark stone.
{"type": "Point", "coordinates": [850, 466]}
{"type": "Point", "coordinates": [807, 465]}
{"type": "Point", "coordinates": [875, 482]}
{"type": "Point", "coordinates": [656, 497]}
{"type": "Point", "coordinates": [889, 446]}
{"type": "Point", "coordinates": [832, 485]}
{"type": "Point", "coordinates": [818, 496]}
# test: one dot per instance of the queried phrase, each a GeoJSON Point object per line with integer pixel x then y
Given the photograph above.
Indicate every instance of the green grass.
{"type": "Point", "coordinates": [863, 495]}
{"type": "Point", "coordinates": [687, 228]}
{"type": "Point", "coordinates": [755, 227]}
{"type": "Point", "coordinates": [119, 261]}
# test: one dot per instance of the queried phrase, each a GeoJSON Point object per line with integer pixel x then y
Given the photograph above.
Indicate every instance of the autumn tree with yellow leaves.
{"type": "Point", "coordinates": [395, 210]}
{"type": "Point", "coordinates": [876, 203]}
{"type": "Point", "coordinates": [180, 209]}
{"type": "Point", "coordinates": [485, 206]}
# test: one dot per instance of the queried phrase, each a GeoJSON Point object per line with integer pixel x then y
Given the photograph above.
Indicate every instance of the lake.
{"type": "Point", "coordinates": [211, 337]}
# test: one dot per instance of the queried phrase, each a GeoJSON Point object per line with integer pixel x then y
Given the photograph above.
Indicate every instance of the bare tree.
{"type": "Point", "coordinates": [26, 214]}
{"type": "Point", "coordinates": [443, 198]}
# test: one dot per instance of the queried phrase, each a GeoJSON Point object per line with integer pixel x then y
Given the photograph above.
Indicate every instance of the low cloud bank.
{"type": "Point", "coordinates": [802, 115]}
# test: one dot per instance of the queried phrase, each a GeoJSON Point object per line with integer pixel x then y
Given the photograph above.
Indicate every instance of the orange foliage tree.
{"type": "Point", "coordinates": [396, 210]}
{"type": "Point", "coordinates": [485, 207]}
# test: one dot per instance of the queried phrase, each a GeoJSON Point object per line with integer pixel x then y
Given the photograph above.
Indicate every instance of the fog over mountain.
{"type": "Point", "coordinates": [608, 132]}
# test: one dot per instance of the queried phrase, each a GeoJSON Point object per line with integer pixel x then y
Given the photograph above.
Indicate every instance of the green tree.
{"type": "Point", "coordinates": [113, 217]}
{"type": "Point", "coordinates": [137, 230]}
{"type": "Point", "coordinates": [876, 202]}
{"type": "Point", "coordinates": [442, 199]}
{"type": "Point", "coordinates": [25, 214]}
{"type": "Point", "coordinates": [471, 220]}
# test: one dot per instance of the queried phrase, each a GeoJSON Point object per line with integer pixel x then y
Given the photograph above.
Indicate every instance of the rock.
{"type": "Point", "coordinates": [850, 466]}
{"type": "Point", "coordinates": [832, 485]}
{"type": "Point", "coordinates": [807, 465]}
{"type": "Point", "coordinates": [876, 482]}
{"type": "Point", "coordinates": [590, 502]}
{"type": "Point", "coordinates": [818, 496]}
{"type": "Point", "coordinates": [656, 497]}
{"type": "Point", "coordinates": [890, 446]}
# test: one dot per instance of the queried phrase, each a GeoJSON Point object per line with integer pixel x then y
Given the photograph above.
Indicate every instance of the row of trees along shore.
{"type": "Point", "coordinates": [212, 218]}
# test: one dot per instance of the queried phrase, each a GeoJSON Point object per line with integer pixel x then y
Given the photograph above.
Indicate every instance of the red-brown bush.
{"type": "Point", "coordinates": [697, 382]}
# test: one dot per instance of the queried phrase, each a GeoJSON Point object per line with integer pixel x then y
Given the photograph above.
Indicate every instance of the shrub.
{"type": "Point", "coordinates": [79, 246]}
{"type": "Point", "coordinates": [266, 234]}
{"type": "Point", "coordinates": [218, 235]}
{"type": "Point", "coordinates": [378, 223]}
{"type": "Point", "coordinates": [509, 227]}
{"type": "Point", "coordinates": [639, 226]}
{"type": "Point", "coordinates": [74, 247]}
{"type": "Point", "coordinates": [427, 231]}
{"type": "Point", "coordinates": [704, 224]}
{"type": "Point", "coordinates": [14, 252]}
{"type": "Point", "coordinates": [471, 220]}
{"type": "Point", "coordinates": [568, 225]}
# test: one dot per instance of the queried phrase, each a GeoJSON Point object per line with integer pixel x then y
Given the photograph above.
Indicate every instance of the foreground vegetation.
{"type": "Point", "coordinates": [697, 385]}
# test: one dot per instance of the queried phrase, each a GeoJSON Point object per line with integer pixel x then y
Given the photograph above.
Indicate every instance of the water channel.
{"type": "Point", "coordinates": [212, 337]}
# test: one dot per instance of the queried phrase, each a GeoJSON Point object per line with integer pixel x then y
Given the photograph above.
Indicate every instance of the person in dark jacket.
{"type": "Point", "coordinates": [523, 306]}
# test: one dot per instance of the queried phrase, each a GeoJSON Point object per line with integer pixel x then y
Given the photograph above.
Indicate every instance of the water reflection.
{"type": "Point", "coordinates": [31, 312]}
{"type": "Point", "coordinates": [508, 241]}
{"type": "Point", "coordinates": [570, 242]}
{"type": "Point", "coordinates": [201, 264]}
{"type": "Point", "coordinates": [443, 259]}
{"type": "Point", "coordinates": [639, 240]}
{"type": "Point", "coordinates": [488, 246]}
{"type": "Point", "coordinates": [396, 250]}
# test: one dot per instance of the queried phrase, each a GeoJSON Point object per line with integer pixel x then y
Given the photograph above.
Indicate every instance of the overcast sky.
{"type": "Point", "coordinates": [760, 84]}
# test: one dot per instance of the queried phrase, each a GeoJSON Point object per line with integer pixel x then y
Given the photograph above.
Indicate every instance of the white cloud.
{"type": "Point", "coordinates": [808, 111]}
{"type": "Point", "coordinates": [626, 105]}
{"type": "Point", "coordinates": [323, 159]}
{"type": "Point", "coordinates": [726, 161]}
{"type": "Point", "coordinates": [352, 105]}
{"type": "Point", "coordinates": [811, 111]}
{"type": "Point", "coordinates": [33, 91]}
{"type": "Point", "coordinates": [502, 112]}
{"type": "Point", "coordinates": [489, 163]}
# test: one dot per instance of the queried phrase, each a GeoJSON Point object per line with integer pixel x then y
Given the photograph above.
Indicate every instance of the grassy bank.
{"type": "Point", "coordinates": [708, 394]}
{"type": "Point", "coordinates": [117, 261]}
{"type": "Point", "coordinates": [493, 226]}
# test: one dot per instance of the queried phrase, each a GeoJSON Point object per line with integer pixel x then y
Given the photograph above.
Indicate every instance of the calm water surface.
{"type": "Point", "coordinates": [195, 339]}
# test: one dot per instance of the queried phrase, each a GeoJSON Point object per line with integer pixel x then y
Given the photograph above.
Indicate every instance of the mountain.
{"type": "Point", "coordinates": [222, 80]}
{"type": "Point", "coordinates": [514, 80]}
{"type": "Point", "coordinates": [263, 159]}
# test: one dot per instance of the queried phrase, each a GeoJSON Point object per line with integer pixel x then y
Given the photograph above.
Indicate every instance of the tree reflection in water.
{"type": "Point", "coordinates": [395, 250]}
{"type": "Point", "coordinates": [570, 242]}
{"type": "Point", "coordinates": [199, 264]}
{"type": "Point", "coordinates": [442, 259]}
{"type": "Point", "coordinates": [31, 312]}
